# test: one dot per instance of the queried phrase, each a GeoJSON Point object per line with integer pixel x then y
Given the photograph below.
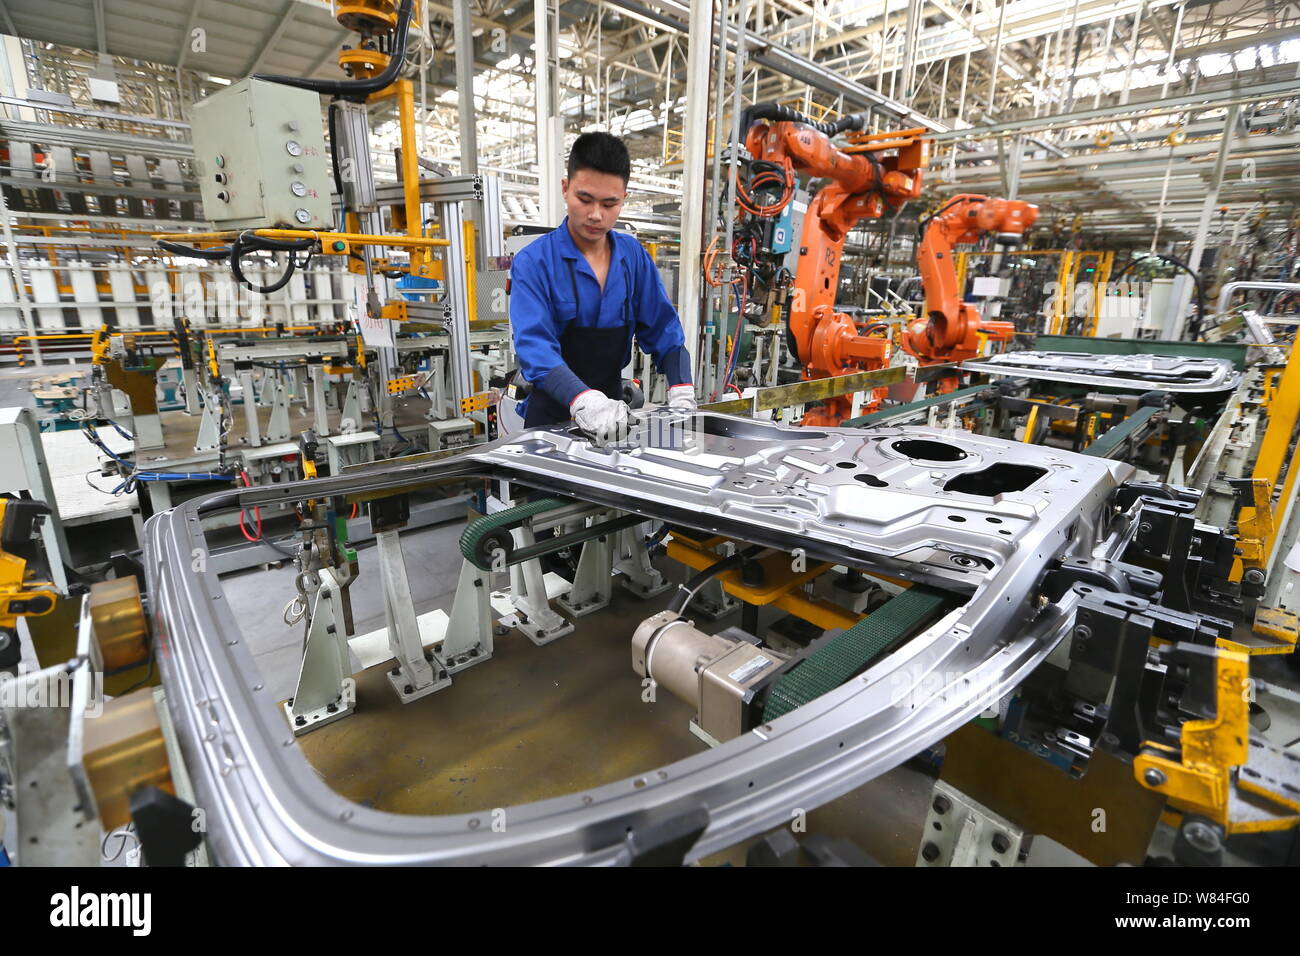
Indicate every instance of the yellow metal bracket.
{"type": "Point", "coordinates": [396, 386]}
{"type": "Point", "coordinates": [1199, 778]}
{"type": "Point", "coordinates": [1255, 524]}
{"type": "Point", "coordinates": [1278, 625]}
{"type": "Point", "coordinates": [1219, 771]}
{"type": "Point", "coordinates": [476, 403]}
{"type": "Point", "coordinates": [781, 582]}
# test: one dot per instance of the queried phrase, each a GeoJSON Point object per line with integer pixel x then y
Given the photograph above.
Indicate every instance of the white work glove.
{"type": "Point", "coordinates": [601, 417]}
{"type": "Point", "coordinates": [681, 398]}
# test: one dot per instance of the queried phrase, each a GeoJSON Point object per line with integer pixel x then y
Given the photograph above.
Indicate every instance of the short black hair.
{"type": "Point", "coordinates": [601, 152]}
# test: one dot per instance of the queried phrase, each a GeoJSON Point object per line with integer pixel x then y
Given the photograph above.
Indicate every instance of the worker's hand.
{"type": "Point", "coordinates": [681, 398]}
{"type": "Point", "coordinates": [600, 416]}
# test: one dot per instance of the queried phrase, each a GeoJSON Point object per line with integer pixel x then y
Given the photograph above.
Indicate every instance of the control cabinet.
{"type": "Point", "coordinates": [259, 154]}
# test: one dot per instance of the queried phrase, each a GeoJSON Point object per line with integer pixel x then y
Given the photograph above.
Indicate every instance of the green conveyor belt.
{"type": "Point", "coordinates": [885, 414]}
{"type": "Point", "coordinates": [852, 651]}
{"type": "Point", "coordinates": [480, 527]}
{"type": "Point", "coordinates": [1114, 439]}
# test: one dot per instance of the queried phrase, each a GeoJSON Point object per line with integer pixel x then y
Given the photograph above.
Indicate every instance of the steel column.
{"type": "Point", "coordinates": [548, 167]}
{"type": "Point", "coordinates": [695, 135]}
{"type": "Point", "coordinates": [465, 82]}
{"type": "Point", "coordinates": [1132, 53]}
{"type": "Point", "coordinates": [997, 55]}
{"type": "Point", "coordinates": [456, 308]}
{"type": "Point", "coordinates": [1183, 287]}
{"type": "Point", "coordinates": [20, 288]}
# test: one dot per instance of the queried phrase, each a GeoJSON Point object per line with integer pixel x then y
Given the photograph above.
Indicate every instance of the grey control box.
{"type": "Point", "coordinates": [259, 155]}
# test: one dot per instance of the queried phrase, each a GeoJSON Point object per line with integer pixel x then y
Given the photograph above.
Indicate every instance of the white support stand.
{"type": "Point", "coordinates": [190, 380]}
{"type": "Point", "coordinates": [961, 832]}
{"type": "Point", "coordinates": [713, 602]}
{"type": "Point", "coordinates": [633, 560]}
{"type": "Point", "coordinates": [263, 386]}
{"type": "Point", "coordinates": [23, 468]}
{"type": "Point", "coordinates": [416, 673]}
{"type": "Point", "coordinates": [253, 434]}
{"type": "Point", "coordinates": [55, 825]}
{"type": "Point", "coordinates": [351, 420]}
{"type": "Point", "coordinates": [528, 595]}
{"type": "Point", "coordinates": [593, 584]}
{"type": "Point", "coordinates": [437, 388]}
{"type": "Point", "coordinates": [325, 690]}
{"type": "Point", "coordinates": [209, 429]}
{"type": "Point", "coordinates": [469, 638]}
{"type": "Point", "coordinates": [148, 432]}
{"type": "Point", "coordinates": [278, 428]}
{"type": "Point", "coordinates": [316, 373]}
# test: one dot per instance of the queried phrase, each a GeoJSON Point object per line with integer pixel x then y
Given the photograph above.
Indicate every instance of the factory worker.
{"type": "Point", "coordinates": [578, 296]}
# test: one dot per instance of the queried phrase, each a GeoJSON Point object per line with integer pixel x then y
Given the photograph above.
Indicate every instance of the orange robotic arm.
{"type": "Point", "coordinates": [862, 185]}
{"type": "Point", "coordinates": [950, 334]}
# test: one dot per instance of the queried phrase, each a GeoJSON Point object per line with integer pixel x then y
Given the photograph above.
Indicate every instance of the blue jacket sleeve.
{"type": "Point", "coordinates": [537, 332]}
{"type": "Point", "coordinates": [658, 328]}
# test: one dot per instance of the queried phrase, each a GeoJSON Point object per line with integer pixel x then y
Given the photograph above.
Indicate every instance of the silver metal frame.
{"type": "Point", "coordinates": [782, 487]}
{"type": "Point", "coordinates": [1164, 373]}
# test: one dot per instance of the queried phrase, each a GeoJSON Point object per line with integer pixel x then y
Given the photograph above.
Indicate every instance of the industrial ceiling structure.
{"type": "Point", "coordinates": [1109, 115]}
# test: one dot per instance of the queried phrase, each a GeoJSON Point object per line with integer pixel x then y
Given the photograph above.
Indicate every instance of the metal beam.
{"type": "Point", "coordinates": [1182, 291]}
{"type": "Point", "coordinates": [1152, 107]}
{"type": "Point", "coordinates": [331, 50]}
{"type": "Point", "coordinates": [675, 15]}
{"type": "Point", "coordinates": [185, 36]}
{"type": "Point", "coordinates": [465, 84]}
{"type": "Point", "coordinates": [9, 21]}
{"type": "Point", "coordinates": [548, 166]}
{"type": "Point", "coordinates": [286, 18]}
{"type": "Point", "coordinates": [695, 134]}
{"type": "Point", "coordinates": [100, 36]}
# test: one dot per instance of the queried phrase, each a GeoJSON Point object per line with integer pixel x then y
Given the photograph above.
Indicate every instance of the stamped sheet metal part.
{"type": "Point", "coordinates": [978, 516]}
{"type": "Point", "coordinates": [1164, 373]}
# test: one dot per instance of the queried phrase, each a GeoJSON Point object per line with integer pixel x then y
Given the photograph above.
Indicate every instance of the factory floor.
{"type": "Point", "coordinates": [531, 723]}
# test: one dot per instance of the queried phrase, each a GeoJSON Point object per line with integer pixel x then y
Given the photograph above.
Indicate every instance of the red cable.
{"type": "Point", "coordinates": [257, 513]}
{"type": "Point", "coordinates": [735, 341]}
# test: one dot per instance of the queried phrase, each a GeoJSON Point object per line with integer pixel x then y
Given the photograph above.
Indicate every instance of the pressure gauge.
{"type": "Point", "coordinates": [294, 147]}
{"type": "Point", "coordinates": [298, 188]}
{"type": "Point", "coordinates": [302, 215]}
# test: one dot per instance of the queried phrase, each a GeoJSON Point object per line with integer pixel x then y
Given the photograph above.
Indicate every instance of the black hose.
{"type": "Point", "coordinates": [334, 152]}
{"type": "Point", "coordinates": [778, 112]}
{"type": "Point", "coordinates": [924, 222]}
{"type": "Point", "coordinates": [358, 90]}
{"type": "Point", "coordinates": [176, 249]}
{"type": "Point", "coordinates": [252, 242]}
{"type": "Point", "coordinates": [1195, 330]}
{"type": "Point", "coordinates": [246, 243]}
{"type": "Point", "coordinates": [687, 591]}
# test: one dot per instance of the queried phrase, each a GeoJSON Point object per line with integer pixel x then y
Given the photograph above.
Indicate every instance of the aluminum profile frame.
{"type": "Point", "coordinates": [265, 805]}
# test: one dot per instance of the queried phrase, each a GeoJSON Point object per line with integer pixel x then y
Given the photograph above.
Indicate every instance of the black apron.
{"type": "Point", "coordinates": [595, 355]}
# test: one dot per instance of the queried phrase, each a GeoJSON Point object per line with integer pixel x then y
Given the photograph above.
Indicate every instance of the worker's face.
{"type": "Point", "coordinates": [594, 200]}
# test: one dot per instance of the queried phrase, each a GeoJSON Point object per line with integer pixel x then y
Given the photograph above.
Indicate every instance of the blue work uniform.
{"type": "Point", "coordinates": [570, 336]}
